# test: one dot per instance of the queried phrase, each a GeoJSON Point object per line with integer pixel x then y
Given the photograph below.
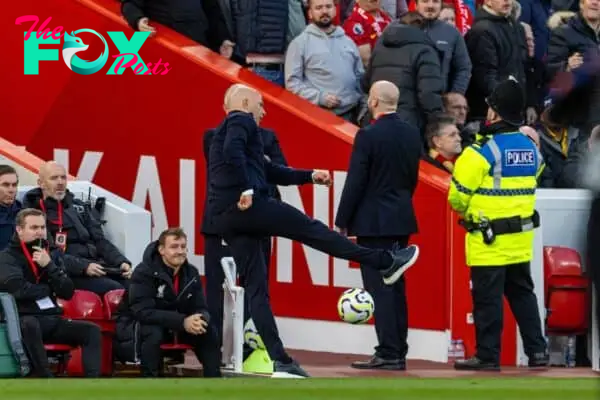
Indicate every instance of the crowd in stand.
{"type": "Point", "coordinates": [445, 58]}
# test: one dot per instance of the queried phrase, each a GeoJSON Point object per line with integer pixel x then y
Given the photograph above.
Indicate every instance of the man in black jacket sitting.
{"type": "Point", "coordinates": [35, 281]}
{"type": "Point", "coordinates": [166, 297]}
{"type": "Point", "coordinates": [93, 262]}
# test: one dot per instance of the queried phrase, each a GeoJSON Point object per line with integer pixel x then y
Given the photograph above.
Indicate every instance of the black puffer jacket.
{"type": "Point", "coordinates": [498, 50]}
{"type": "Point", "coordinates": [575, 36]}
{"type": "Point", "coordinates": [151, 300]}
{"type": "Point", "coordinates": [407, 57]}
{"type": "Point", "coordinates": [18, 279]}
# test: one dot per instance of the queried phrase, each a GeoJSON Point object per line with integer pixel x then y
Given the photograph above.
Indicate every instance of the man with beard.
{"type": "Point", "coordinates": [240, 206]}
{"type": "Point", "coordinates": [35, 281]}
{"type": "Point", "coordinates": [377, 208]}
{"type": "Point", "coordinates": [9, 205]}
{"type": "Point", "coordinates": [94, 263]}
{"type": "Point", "coordinates": [456, 64]}
{"type": "Point", "coordinates": [323, 65]}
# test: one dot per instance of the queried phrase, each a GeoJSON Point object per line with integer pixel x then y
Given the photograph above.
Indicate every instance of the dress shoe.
{"type": "Point", "coordinates": [380, 363]}
{"type": "Point", "coordinates": [539, 360]}
{"type": "Point", "coordinates": [475, 364]}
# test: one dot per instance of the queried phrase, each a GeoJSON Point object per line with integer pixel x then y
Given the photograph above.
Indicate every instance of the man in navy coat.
{"type": "Point", "coordinates": [215, 249]}
{"type": "Point", "coordinates": [240, 207]}
{"type": "Point", "coordinates": [376, 207]}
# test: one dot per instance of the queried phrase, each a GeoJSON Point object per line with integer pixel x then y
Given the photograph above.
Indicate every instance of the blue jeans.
{"type": "Point", "coordinates": [273, 75]}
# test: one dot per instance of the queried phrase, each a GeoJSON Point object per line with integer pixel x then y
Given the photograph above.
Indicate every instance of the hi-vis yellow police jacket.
{"type": "Point", "coordinates": [496, 178]}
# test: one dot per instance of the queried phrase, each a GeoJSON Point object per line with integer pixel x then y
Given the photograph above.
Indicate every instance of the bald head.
{"type": "Point", "coordinates": [383, 97]}
{"type": "Point", "coordinates": [52, 179]}
{"type": "Point", "coordinates": [243, 98]}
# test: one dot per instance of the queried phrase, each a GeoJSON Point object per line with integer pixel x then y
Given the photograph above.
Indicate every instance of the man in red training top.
{"type": "Point", "coordinates": [365, 25]}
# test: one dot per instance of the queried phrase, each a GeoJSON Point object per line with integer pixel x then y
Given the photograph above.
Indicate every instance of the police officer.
{"type": "Point", "coordinates": [493, 189]}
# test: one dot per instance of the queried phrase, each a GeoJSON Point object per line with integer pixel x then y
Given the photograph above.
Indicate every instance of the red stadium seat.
{"type": "Point", "coordinates": [86, 306]}
{"type": "Point", "coordinates": [175, 346]}
{"type": "Point", "coordinates": [83, 305]}
{"type": "Point", "coordinates": [112, 300]}
{"type": "Point", "coordinates": [567, 292]}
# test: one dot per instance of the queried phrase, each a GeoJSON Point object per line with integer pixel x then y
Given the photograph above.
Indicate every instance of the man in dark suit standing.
{"type": "Point", "coordinates": [376, 207]}
{"type": "Point", "coordinates": [240, 206]}
{"type": "Point", "coordinates": [214, 247]}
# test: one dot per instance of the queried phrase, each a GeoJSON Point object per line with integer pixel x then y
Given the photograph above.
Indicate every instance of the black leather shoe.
{"type": "Point", "coordinates": [475, 364]}
{"type": "Point", "coordinates": [403, 259]}
{"type": "Point", "coordinates": [380, 363]}
{"type": "Point", "coordinates": [539, 360]}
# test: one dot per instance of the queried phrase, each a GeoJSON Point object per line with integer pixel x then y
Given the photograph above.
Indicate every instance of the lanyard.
{"type": "Point", "coordinates": [176, 283]}
{"type": "Point", "coordinates": [59, 211]}
{"type": "Point", "coordinates": [32, 265]}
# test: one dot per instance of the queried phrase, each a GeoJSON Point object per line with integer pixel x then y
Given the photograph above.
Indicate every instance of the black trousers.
{"type": "Point", "coordinates": [205, 347]}
{"type": "Point", "coordinates": [214, 251]}
{"type": "Point", "coordinates": [55, 330]}
{"type": "Point", "coordinates": [391, 310]}
{"type": "Point", "coordinates": [244, 232]}
{"type": "Point", "coordinates": [489, 285]}
{"type": "Point", "coordinates": [99, 284]}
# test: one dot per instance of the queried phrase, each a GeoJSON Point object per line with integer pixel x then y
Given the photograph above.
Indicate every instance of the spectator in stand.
{"type": "Point", "coordinates": [201, 20]}
{"type": "Point", "coordinates": [456, 65]}
{"type": "Point", "coordinates": [571, 44]}
{"type": "Point", "coordinates": [262, 30]}
{"type": "Point", "coordinates": [406, 57]}
{"type": "Point", "coordinates": [456, 106]}
{"type": "Point", "coordinates": [535, 13]}
{"type": "Point", "coordinates": [78, 233]}
{"type": "Point", "coordinates": [365, 25]}
{"type": "Point", "coordinates": [535, 71]}
{"type": "Point", "coordinates": [557, 142]}
{"type": "Point", "coordinates": [323, 65]}
{"type": "Point", "coordinates": [444, 141]}
{"type": "Point", "coordinates": [448, 14]}
{"type": "Point", "coordinates": [497, 47]}
{"type": "Point", "coordinates": [463, 13]}
{"type": "Point", "coordinates": [9, 205]}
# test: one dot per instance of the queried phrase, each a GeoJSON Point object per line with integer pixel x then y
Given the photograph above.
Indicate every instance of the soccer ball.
{"type": "Point", "coordinates": [251, 336]}
{"type": "Point", "coordinates": [356, 306]}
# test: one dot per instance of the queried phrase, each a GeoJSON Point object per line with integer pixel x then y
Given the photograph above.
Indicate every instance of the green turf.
{"type": "Point", "coordinates": [312, 389]}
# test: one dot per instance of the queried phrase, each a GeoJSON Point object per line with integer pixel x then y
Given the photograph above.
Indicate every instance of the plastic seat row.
{"type": "Point", "coordinates": [90, 307]}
